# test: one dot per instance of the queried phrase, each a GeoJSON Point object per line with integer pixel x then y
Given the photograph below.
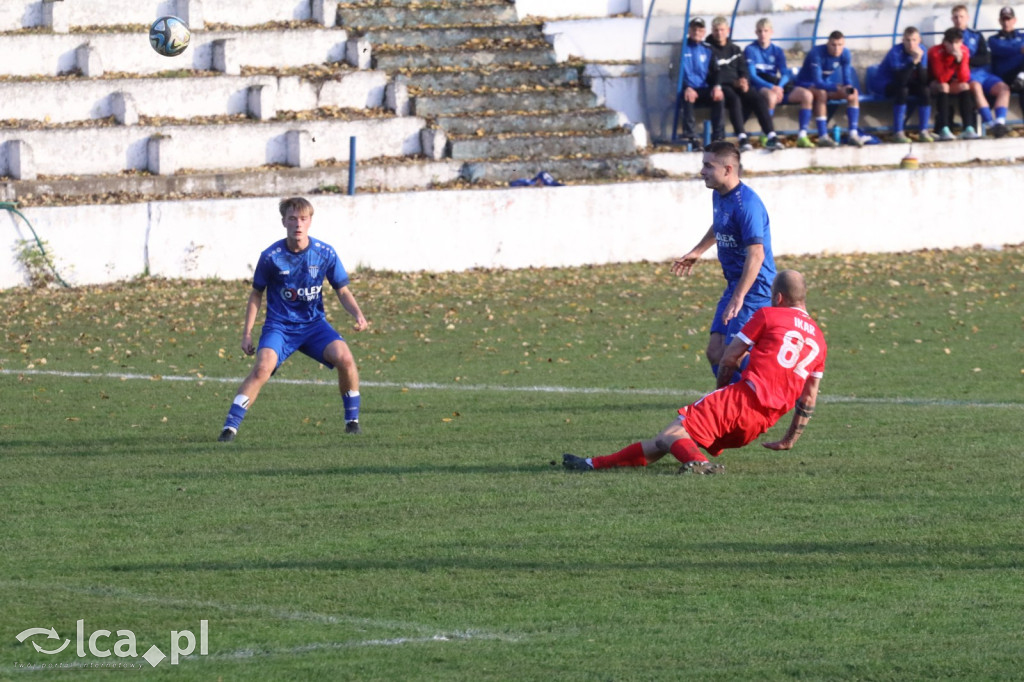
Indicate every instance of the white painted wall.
{"type": "Point", "coordinates": [514, 228]}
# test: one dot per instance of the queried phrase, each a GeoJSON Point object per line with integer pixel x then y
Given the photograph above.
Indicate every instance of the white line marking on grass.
{"type": "Point", "coordinates": [253, 609]}
{"type": "Point", "coordinates": [568, 390]}
{"type": "Point", "coordinates": [430, 634]}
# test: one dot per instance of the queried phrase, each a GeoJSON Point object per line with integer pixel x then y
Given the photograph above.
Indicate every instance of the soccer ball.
{"type": "Point", "coordinates": [169, 36]}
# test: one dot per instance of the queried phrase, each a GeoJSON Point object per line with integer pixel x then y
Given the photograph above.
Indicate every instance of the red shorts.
{"type": "Point", "coordinates": [728, 418]}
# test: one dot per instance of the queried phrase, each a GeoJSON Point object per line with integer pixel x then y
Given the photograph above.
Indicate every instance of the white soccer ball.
{"type": "Point", "coordinates": [169, 36]}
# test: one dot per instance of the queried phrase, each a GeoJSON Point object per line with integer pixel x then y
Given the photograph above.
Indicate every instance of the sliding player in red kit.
{"type": "Point", "coordinates": [787, 360]}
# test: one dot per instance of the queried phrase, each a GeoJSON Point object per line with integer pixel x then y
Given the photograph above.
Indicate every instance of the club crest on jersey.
{"type": "Point", "coordinates": [313, 270]}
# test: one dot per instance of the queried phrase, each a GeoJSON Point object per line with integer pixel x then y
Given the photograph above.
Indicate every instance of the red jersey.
{"type": "Point", "coordinates": [944, 69]}
{"type": "Point", "coordinates": [787, 348]}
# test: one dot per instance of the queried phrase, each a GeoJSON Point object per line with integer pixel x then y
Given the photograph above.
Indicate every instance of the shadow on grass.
{"type": "Point", "coordinates": [785, 559]}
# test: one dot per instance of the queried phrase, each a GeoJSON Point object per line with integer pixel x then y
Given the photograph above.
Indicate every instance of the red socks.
{"type": "Point", "coordinates": [629, 456]}
{"type": "Point", "coordinates": [685, 450]}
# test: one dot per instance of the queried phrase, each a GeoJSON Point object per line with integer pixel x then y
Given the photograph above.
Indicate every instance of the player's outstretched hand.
{"type": "Point", "coordinates": [684, 265]}
{"type": "Point", "coordinates": [779, 445]}
{"type": "Point", "coordinates": [361, 324]}
{"type": "Point", "coordinates": [247, 345]}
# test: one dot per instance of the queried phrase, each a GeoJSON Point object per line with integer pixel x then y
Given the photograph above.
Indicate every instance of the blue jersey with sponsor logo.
{"type": "Point", "coordinates": [767, 64]}
{"type": "Point", "coordinates": [740, 219]}
{"type": "Point", "coordinates": [823, 71]}
{"type": "Point", "coordinates": [294, 281]}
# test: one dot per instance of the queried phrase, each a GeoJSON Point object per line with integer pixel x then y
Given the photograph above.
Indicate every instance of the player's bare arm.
{"type": "Point", "coordinates": [731, 360]}
{"type": "Point", "coordinates": [751, 266]}
{"type": "Point", "coordinates": [684, 264]}
{"type": "Point", "coordinates": [252, 309]}
{"type": "Point", "coordinates": [802, 413]}
{"type": "Point", "coordinates": [348, 302]}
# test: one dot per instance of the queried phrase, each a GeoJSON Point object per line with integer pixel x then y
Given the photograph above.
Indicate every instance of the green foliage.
{"type": "Point", "coordinates": [32, 256]}
{"type": "Point", "coordinates": [442, 544]}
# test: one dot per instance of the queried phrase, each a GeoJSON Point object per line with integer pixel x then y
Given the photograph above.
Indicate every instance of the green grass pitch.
{"type": "Point", "coordinates": [443, 545]}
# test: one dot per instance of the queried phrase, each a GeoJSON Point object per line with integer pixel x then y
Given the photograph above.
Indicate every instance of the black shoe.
{"type": "Point", "coordinates": [574, 463]}
{"type": "Point", "coordinates": [353, 427]}
{"type": "Point", "coordinates": [999, 130]}
{"type": "Point", "coordinates": [226, 436]}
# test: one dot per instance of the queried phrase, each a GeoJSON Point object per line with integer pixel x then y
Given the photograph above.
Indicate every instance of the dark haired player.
{"type": "Point", "coordinates": [742, 232]}
{"type": "Point", "coordinates": [292, 272]}
{"type": "Point", "coordinates": [787, 360]}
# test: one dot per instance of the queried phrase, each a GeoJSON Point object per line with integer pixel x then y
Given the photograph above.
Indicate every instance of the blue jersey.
{"type": "Point", "coordinates": [740, 219]}
{"type": "Point", "coordinates": [767, 65]}
{"type": "Point", "coordinates": [696, 65]}
{"type": "Point", "coordinates": [1007, 60]}
{"type": "Point", "coordinates": [896, 60]}
{"type": "Point", "coordinates": [823, 71]}
{"type": "Point", "coordinates": [294, 281]}
{"type": "Point", "coordinates": [978, 48]}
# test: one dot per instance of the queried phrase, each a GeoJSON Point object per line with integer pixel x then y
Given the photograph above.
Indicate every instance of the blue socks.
{"type": "Point", "coordinates": [899, 112]}
{"type": "Point", "coordinates": [925, 115]}
{"type": "Point", "coordinates": [237, 413]}
{"type": "Point", "coordinates": [350, 399]}
{"type": "Point", "coordinates": [804, 118]}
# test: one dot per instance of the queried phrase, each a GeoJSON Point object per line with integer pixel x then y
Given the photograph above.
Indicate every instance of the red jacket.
{"type": "Point", "coordinates": [943, 68]}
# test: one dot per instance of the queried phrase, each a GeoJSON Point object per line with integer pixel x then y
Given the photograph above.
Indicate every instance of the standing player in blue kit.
{"type": "Point", "coordinates": [292, 272]}
{"type": "Point", "coordinates": [742, 232]}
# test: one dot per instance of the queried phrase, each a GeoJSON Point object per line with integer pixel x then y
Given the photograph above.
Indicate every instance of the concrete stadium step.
{"type": "Point", "coordinates": [49, 54]}
{"type": "Point", "coordinates": [581, 121]}
{"type": "Point", "coordinates": [534, 145]}
{"type": "Point", "coordinates": [371, 176]}
{"type": "Point", "coordinates": [565, 169]}
{"type": "Point", "coordinates": [63, 100]}
{"type": "Point", "coordinates": [555, 99]}
{"type": "Point", "coordinates": [392, 58]}
{"type": "Point", "coordinates": [168, 148]}
{"type": "Point", "coordinates": [436, 81]}
{"type": "Point", "coordinates": [389, 14]}
{"type": "Point", "coordinates": [466, 36]}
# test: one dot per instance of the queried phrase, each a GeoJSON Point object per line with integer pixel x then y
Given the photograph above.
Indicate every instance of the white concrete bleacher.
{"type": "Point", "coordinates": [91, 60]}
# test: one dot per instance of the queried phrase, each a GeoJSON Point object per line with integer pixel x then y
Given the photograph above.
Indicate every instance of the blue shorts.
{"type": "Point", "coordinates": [310, 339]}
{"type": "Point", "coordinates": [987, 80]}
{"type": "Point", "coordinates": [751, 304]}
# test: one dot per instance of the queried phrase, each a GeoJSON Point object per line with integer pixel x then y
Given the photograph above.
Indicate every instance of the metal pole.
{"type": "Point", "coordinates": [352, 165]}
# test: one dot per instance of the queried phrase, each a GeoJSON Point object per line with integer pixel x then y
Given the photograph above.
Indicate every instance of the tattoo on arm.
{"type": "Point", "coordinates": [804, 411]}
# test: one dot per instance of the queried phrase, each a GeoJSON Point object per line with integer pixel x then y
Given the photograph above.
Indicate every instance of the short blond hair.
{"type": "Point", "coordinates": [764, 22]}
{"type": "Point", "coordinates": [299, 205]}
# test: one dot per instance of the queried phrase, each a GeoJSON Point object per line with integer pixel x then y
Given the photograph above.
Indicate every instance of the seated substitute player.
{"type": "Point", "coordinates": [902, 74]}
{"type": "Point", "coordinates": [825, 74]}
{"type": "Point", "coordinates": [950, 73]}
{"type": "Point", "coordinates": [787, 360]}
{"type": "Point", "coordinates": [292, 272]}
{"type": "Point", "coordinates": [742, 232]}
{"type": "Point", "coordinates": [1007, 48]}
{"type": "Point", "coordinates": [769, 74]}
{"type": "Point", "coordinates": [982, 79]}
{"type": "Point", "coordinates": [734, 79]}
{"type": "Point", "coordinates": [700, 84]}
